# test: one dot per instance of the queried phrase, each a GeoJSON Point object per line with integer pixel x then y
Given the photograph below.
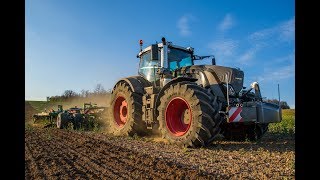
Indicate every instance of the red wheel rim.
{"type": "Point", "coordinates": [178, 116]}
{"type": "Point", "coordinates": [120, 111]}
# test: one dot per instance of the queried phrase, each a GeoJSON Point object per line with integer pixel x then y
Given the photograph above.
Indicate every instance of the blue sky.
{"type": "Point", "coordinates": [76, 44]}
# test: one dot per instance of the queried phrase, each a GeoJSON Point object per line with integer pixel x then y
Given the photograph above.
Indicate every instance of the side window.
{"type": "Point", "coordinates": [148, 68]}
{"type": "Point", "coordinates": [173, 65]}
{"type": "Point", "coordinates": [185, 62]}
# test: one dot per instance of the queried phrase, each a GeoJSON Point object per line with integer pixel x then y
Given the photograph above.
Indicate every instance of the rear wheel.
{"type": "Point", "coordinates": [126, 111]}
{"type": "Point", "coordinates": [188, 115]}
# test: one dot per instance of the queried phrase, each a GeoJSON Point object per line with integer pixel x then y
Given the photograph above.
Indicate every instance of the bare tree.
{"type": "Point", "coordinates": [85, 93]}
{"type": "Point", "coordinates": [99, 89]}
{"type": "Point", "coordinates": [283, 104]}
{"type": "Point", "coordinates": [69, 93]}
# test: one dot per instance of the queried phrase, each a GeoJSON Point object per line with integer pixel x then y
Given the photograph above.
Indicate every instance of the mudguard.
{"type": "Point", "coordinates": [136, 83]}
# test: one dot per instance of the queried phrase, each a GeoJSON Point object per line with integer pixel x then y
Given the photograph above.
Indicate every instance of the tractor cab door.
{"type": "Point", "coordinates": [148, 68]}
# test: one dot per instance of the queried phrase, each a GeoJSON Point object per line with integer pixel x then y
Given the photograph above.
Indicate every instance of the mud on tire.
{"type": "Point", "coordinates": [125, 112]}
{"type": "Point", "coordinates": [188, 115]}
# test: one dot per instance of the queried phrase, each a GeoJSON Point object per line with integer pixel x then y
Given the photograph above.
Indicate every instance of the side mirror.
{"type": "Point", "coordinates": [154, 52]}
{"type": "Point", "coordinates": [213, 61]}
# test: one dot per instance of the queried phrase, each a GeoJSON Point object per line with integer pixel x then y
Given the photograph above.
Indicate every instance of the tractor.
{"type": "Point", "coordinates": [187, 104]}
{"type": "Point", "coordinates": [80, 117]}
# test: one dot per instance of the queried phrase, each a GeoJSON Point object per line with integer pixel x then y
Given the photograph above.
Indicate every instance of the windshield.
{"type": "Point", "coordinates": [178, 58]}
{"type": "Point", "coordinates": [147, 67]}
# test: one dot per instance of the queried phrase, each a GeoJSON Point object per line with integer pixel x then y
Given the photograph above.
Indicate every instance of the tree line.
{"type": "Point", "coordinates": [69, 95]}
{"type": "Point", "coordinates": [283, 104]}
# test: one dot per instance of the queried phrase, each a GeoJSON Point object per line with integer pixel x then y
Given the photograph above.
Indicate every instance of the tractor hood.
{"type": "Point", "coordinates": [235, 76]}
{"type": "Point", "coordinates": [215, 77]}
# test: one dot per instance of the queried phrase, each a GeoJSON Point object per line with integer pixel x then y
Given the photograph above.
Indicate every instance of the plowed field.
{"type": "Point", "coordinates": [63, 154]}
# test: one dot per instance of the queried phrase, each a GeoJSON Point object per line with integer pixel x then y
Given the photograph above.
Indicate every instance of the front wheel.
{"type": "Point", "coordinates": [188, 115]}
{"type": "Point", "coordinates": [125, 112]}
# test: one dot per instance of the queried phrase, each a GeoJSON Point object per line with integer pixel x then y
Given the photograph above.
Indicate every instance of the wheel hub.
{"type": "Point", "coordinates": [120, 111]}
{"type": "Point", "coordinates": [123, 111]}
{"type": "Point", "coordinates": [178, 116]}
{"type": "Point", "coordinates": [185, 117]}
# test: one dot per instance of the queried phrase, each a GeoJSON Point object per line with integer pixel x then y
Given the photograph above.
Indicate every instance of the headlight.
{"type": "Point", "coordinates": [231, 92]}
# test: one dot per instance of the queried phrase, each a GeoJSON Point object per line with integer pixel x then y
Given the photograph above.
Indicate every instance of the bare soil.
{"type": "Point", "coordinates": [62, 154]}
{"type": "Point", "coordinates": [52, 153]}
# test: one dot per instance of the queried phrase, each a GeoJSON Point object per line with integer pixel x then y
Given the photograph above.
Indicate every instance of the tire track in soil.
{"type": "Point", "coordinates": [86, 160]}
{"type": "Point", "coordinates": [158, 164]}
{"type": "Point", "coordinates": [51, 162]}
{"type": "Point", "coordinates": [192, 170]}
{"type": "Point", "coordinates": [74, 155]}
{"type": "Point", "coordinates": [31, 165]}
{"type": "Point", "coordinates": [112, 155]}
{"type": "Point", "coordinates": [73, 168]}
{"type": "Point", "coordinates": [137, 171]}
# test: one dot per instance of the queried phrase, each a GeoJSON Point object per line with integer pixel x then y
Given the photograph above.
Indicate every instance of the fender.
{"type": "Point", "coordinates": [136, 83]}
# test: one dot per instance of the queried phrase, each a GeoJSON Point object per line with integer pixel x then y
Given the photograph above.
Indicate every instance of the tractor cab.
{"type": "Point", "coordinates": [163, 55]}
{"type": "Point", "coordinates": [159, 61]}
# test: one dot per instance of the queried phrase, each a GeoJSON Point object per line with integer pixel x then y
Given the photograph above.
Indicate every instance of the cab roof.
{"type": "Point", "coordinates": [170, 45]}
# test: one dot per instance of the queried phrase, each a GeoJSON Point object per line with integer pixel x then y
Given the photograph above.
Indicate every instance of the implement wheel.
{"type": "Point", "coordinates": [62, 120]}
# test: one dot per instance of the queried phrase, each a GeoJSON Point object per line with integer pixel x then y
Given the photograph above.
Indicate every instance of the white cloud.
{"type": "Point", "coordinates": [287, 30]}
{"type": "Point", "coordinates": [287, 58]}
{"type": "Point", "coordinates": [183, 25]}
{"type": "Point", "coordinates": [227, 23]}
{"type": "Point", "coordinates": [278, 74]}
{"type": "Point", "coordinates": [282, 32]}
{"type": "Point", "coordinates": [224, 48]}
{"type": "Point", "coordinates": [247, 57]}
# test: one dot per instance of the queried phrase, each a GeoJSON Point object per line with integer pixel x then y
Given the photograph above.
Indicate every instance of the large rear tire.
{"type": "Point", "coordinates": [126, 112]}
{"type": "Point", "coordinates": [188, 115]}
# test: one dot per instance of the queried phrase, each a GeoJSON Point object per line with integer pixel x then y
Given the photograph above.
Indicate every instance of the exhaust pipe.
{"type": "Point", "coordinates": [164, 54]}
{"type": "Point", "coordinates": [255, 86]}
